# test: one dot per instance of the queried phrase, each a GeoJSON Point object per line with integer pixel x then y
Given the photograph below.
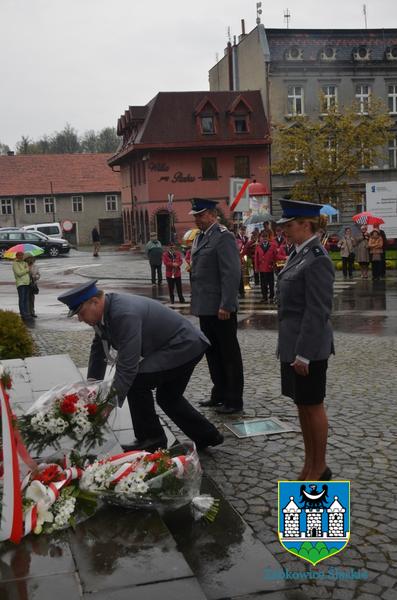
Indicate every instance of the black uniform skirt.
{"type": "Point", "coordinates": [309, 389]}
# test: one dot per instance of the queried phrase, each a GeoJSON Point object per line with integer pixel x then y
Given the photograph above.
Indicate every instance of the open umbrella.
{"type": "Point", "coordinates": [329, 210]}
{"type": "Point", "coordinates": [25, 248]}
{"type": "Point", "coordinates": [258, 218]}
{"type": "Point", "coordinates": [367, 218]}
{"type": "Point", "coordinates": [189, 236]}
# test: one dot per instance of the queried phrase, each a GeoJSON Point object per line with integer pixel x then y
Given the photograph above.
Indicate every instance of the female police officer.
{"type": "Point", "coordinates": [305, 293]}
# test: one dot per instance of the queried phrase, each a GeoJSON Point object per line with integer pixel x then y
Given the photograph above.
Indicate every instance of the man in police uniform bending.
{"type": "Point", "coordinates": [215, 279]}
{"type": "Point", "coordinates": [156, 348]}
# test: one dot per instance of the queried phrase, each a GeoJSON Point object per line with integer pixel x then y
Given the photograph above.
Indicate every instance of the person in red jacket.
{"type": "Point", "coordinates": [265, 259]}
{"type": "Point", "coordinates": [172, 259]}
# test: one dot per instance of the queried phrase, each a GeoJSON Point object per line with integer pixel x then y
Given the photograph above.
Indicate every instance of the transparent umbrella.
{"type": "Point", "coordinates": [259, 218]}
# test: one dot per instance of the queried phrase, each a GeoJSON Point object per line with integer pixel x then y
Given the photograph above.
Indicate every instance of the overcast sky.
{"type": "Point", "coordinates": [85, 61]}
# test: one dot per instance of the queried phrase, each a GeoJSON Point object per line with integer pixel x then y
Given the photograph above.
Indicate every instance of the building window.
{"type": "Point", "coordinates": [209, 168]}
{"type": "Point", "coordinates": [329, 98]}
{"type": "Point", "coordinates": [363, 98]}
{"type": "Point", "coordinates": [241, 124]}
{"type": "Point", "coordinates": [30, 206]}
{"type": "Point", "coordinates": [392, 98]}
{"type": "Point", "coordinates": [207, 125]}
{"type": "Point", "coordinates": [111, 203]}
{"type": "Point", "coordinates": [6, 206]}
{"type": "Point", "coordinates": [393, 153]}
{"type": "Point", "coordinates": [241, 166]}
{"type": "Point", "coordinates": [77, 203]}
{"type": "Point", "coordinates": [49, 205]}
{"type": "Point", "coordinates": [295, 100]}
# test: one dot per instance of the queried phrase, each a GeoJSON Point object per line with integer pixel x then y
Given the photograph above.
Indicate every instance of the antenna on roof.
{"type": "Point", "coordinates": [287, 16]}
{"type": "Point", "coordinates": [217, 57]}
{"type": "Point", "coordinates": [365, 15]}
{"type": "Point", "coordinates": [258, 12]}
{"type": "Point", "coordinates": [229, 35]}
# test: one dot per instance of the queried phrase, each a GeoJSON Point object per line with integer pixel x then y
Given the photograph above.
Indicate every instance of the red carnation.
{"type": "Point", "coordinates": [92, 409]}
{"type": "Point", "coordinates": [71, 398]}
{"type": "Point", "coordinates": [67, 406]}
{"type": "Point", "coordinates": [50, 473]}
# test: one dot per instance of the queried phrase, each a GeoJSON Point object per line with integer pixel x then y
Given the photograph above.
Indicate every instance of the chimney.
{"type": "Point", "coordinates": [230, 66]}
{"type": "Point", "coordinates": [242, 34]}
{"type": "Point", "coordinates": [10, 153]}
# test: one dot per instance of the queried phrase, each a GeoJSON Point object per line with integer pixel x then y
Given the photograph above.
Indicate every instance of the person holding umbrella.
{"type": "Point", "coordinates": [34, 275]}
{"type": "Point", "coordinates": [22, 280]}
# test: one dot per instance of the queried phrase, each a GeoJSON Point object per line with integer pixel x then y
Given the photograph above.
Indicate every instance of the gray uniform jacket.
{"type": "Point", "coordinates": [305, 293]}
{"type": "Point", "coordinates": [142, 328]}
{"type": "Point", "coordinates": [215, 272]}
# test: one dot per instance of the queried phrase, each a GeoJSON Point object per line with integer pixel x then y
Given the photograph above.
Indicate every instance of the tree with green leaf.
{"type": "Point", "coordinates": [329, 152]}
{"type": "Point", "coordinates": [4, 148]}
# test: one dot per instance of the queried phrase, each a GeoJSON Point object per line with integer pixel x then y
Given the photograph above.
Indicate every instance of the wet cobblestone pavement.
{"type": "Point", "coordinates": [362, 410]}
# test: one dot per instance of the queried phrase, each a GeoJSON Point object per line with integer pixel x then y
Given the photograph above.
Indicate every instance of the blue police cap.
{"type": "Point", "coordinates": [292, 209]}
{"type": "Point", "coordinates": [199, 205]}
{"type": "Point", "coordinates": [74, 298]}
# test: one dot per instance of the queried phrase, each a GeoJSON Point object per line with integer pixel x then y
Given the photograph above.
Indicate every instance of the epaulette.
{"type": "Point", "coordinates": [318, 251]}
{"type": "Point", "coordinates": [222, 228]}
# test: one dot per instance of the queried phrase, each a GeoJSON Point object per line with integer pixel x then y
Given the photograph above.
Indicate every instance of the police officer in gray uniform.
{"type": "Point", "coordinates": [156, 349]}
{"type": "Point", "coordinates": [305, 294]}
{"type": "Point", "coordinates": [215, 279]}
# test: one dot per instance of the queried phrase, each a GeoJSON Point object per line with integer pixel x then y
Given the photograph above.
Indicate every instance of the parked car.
{"type": "Point", "coordinates": [53, 230]}
{"type": "Point", "coordinates": [52, 247]}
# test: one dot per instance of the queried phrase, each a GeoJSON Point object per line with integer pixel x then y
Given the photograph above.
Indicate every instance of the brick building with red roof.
{"type": "Point", "coordinates": [81, 188]}
{"type": "Point", "coordinates": [183, 145]}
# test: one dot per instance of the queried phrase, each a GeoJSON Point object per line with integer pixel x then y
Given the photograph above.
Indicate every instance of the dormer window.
{"type": "Point", "coordinates": [207, 124]}
{"type": "Point", "coordinates": [241, 124]}
{"type": "Point", "coordinates": [206, 115]}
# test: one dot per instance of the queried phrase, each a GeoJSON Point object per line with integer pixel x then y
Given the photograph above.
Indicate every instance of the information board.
{"type": "Point", "coordinates": [382, 202]}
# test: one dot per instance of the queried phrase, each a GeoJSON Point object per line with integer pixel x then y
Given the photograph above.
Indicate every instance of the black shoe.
{"type": "Point", "coordinates": [228, 410]}
{"type": "Point", "coordinates": [215, 440]}
{"type": "Point", "coordinates": [210, 402]}
{"type": "Point", "coordinates": [150, 445]}
{"type": "Point", "coordinates": [34, 315]}
{"type": "Point", "coordinates": [182, 300]}
{"type": "Point", "coordinates": [326, 476]}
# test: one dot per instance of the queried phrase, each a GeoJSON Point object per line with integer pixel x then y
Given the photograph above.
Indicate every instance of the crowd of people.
{"type": "Point", "coordinates": [367, 248]}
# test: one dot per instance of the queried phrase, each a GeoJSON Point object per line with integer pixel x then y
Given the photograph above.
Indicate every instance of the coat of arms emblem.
{"type": "Point", "coordinates": [314, 518]}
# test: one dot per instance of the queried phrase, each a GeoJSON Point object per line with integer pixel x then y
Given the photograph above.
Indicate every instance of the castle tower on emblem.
{"type": "Point", "coordinates": [313, 522]}
{"type": "Point", "coordinates": [336, 519]}
{"type": "Point", "coordinates": [291, 519]}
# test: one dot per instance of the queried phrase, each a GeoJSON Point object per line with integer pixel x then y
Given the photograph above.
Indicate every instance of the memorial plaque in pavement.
{"type": "Point", "coordinates": [252, 427]}
{"type": "Point", "coordinates": [118, 548]}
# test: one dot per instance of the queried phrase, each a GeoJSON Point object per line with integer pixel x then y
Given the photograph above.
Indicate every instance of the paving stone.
{"type": "Point", "coordinates": [62, 587]}
{"type": "Point", "coordinates": [180, 589]}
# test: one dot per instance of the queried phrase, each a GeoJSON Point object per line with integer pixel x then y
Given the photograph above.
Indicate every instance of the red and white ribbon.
{"type": "Point", "coordinates": [11, 512]}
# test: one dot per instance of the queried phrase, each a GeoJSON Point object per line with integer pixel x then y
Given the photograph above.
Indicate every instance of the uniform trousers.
{"type": "Point", "coordinates": [170, 386]}
{"type": "Point", "coordinates": [224, 360]}
{"type": "Point", "coordinates": [267, 285]}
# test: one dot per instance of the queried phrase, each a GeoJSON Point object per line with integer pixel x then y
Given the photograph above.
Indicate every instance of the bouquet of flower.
{"type": "Point", "coordinates": [52, 499]}
{"type": "Point", "coordinates": [78, 411]}
{"type": "Point", "coordinates": [166, 479]}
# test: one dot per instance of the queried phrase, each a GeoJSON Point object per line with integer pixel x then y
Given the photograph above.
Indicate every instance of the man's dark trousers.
{"type": "Point", "coordinates": [170, 386]}
{"type": "Point", "coordinates": [224, 360]}
{"type": "Point", "coordinates": [156, 269]}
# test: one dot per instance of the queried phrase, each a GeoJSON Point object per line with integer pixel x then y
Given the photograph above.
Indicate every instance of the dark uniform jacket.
{"type": "Point", "coordinates": [148, 336]}
{"type": "Point", "coordinates": [305, 294]}
{"type": "Point", "coordinates": [215, 272]}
